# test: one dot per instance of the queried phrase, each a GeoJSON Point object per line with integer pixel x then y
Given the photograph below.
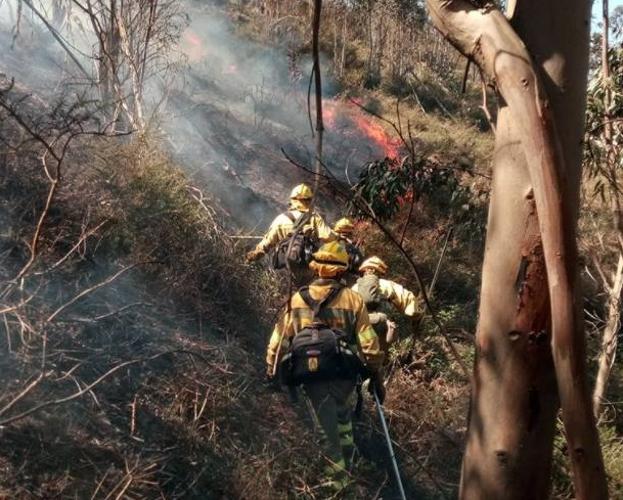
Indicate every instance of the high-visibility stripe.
{"type": "Point", "coordinates": [338, 484]}
{"type": "Point", "coordinates": [341, 319]}
{"type": "Point", "coordinates": [335, 467]}
{"type": "Point", "coordinates": [347, 440]}
{"type": "Point", "coordinates": [343, 428]}
{"type": "Point", "coordinates": [346, 299]}
{"type": "Point", "coordinates": [367, 335]}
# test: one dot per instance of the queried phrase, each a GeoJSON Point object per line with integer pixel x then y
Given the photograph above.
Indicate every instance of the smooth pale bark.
{"type": "Point", "coordinates": [609, 341]}
{"type": "Point", "coordinates": [530, 343]}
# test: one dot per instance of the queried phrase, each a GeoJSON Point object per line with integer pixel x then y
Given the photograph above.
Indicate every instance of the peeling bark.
{"type": "Point", "coordinates": [530, 342]}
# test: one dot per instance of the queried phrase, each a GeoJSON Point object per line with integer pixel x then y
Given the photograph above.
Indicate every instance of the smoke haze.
{"type": "Point", "coordinates": [234, 105]}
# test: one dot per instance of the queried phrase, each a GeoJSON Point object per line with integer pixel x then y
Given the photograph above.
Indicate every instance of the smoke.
{"type": "Point", "coordinates": [242, 102]}
{"type": "Point", "coordinates": [234, 105]}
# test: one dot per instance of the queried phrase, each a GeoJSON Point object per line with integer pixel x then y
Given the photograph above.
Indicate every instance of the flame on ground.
{"type": "Point", "coordinates": [366, 125]}
{"type": "Point", "coordinates": [377, 134]}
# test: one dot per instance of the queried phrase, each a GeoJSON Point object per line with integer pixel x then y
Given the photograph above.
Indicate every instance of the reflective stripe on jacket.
{"type": "Point", "coordinates": [282, 226]}
{"type": "Point", "coordinates": [346, 312]}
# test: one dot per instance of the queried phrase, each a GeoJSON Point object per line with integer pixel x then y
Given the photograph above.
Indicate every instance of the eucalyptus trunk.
{"type": "Point", "coordinates": [530, 355]}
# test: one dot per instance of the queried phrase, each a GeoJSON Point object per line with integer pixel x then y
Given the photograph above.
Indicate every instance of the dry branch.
{"type": "Point", "coordinates": [89, 290]}
{"type": "Point", "coordinates": [84, 390]}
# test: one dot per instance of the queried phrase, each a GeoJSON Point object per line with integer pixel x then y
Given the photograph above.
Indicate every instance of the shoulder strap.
{"type": "Point", "coordinates": [299, 221]}
{"type": "Point", "coordinates": [317, 305]}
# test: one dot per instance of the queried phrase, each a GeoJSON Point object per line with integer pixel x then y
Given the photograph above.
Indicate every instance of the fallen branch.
{"type": "Point", "coordinates": [82, 238]}
{"type": "Point", "coordinates": [84, 390]}
{"type": "Point", "coordinates": [22, 394]}
{"type": "Point", "coordinates": [112, 313]}
{"type": "Point", "coordinates": [89, 290]}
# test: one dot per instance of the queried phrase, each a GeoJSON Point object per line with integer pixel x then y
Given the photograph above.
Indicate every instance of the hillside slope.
{"type": "Point", "coordinates": [138, 308]}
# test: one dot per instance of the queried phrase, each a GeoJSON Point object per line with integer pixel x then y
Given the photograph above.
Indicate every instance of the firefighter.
{"type": "Point", "coordinates": [381, 295]}
{"type": "Point", "coordinates": [283, 225]}
{"type": "Point", "coordinates": [344, 229]}
{"type": "Point", "coordinates": [328, 302]}
{"type": "Point", "coordinates": [305, 238]}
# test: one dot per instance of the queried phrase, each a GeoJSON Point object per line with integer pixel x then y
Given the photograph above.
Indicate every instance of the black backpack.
{"type": "Point", "coordinates": [318, 352]}
{"type": "Point", "coordinates": [297, 248]}
{"type": "Point", "coordinates": [368, 286]}
{"type": "Point", "coordinates": [355, 257]}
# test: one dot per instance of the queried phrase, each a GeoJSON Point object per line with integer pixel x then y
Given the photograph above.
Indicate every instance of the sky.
{"type": "Point", "coordinates": [613, 4]}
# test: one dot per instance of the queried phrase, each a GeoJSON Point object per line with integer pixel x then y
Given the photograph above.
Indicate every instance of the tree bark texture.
{"type": "Point", "coordinates": [609, 340]}
{"type": "Point", "coordinates": [530, 342]}
{"type": "Point", "coordinates": [318, 90]}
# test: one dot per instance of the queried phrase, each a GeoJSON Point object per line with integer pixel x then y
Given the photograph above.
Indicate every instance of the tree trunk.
{"type": "Point", "coordinates": [318, 91]}
{"type": "Point", "coordinates": [605, 74]}
{"type": "Point", "coordinates": [610, 338]}
{"type": "Point", "coordinates": [530, 343]}
{"type": "Point", "coordinates": [344, 38]}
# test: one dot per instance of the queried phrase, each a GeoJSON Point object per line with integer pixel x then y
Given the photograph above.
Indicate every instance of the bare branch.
{"type": "Point", "coordinates": [84, 390]}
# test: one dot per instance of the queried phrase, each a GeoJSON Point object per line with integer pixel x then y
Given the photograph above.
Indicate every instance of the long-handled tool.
{"type": "Point", "coordinates": [392, 455]}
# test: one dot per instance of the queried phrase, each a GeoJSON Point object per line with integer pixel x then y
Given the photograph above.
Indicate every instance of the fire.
{"type": "Point", "coordinates": [329, 112]}
{"type": "Point", "coordinates": [364, 124]}
{"type": "Point", "coordinates": [377, 134]}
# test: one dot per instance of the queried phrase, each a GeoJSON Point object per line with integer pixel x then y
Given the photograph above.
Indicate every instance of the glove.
{"type": "Point", "coordinates": [254, 255]}
{"type": "Point", "coordinates": [271, 383]}
{"type": "Point", "coordinates": [376, 385]}
{"type": "Point", "coordinates": [391, 332]}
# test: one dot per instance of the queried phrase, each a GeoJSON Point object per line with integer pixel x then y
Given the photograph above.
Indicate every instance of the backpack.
{"type": "Point", "coordinates": [368, 286]}
{"type": "Point", "coordinates": [355, 257]}
{"type": "Point", "coordinates": [297, 248]}
{"type": "Point", "coordinates": [318, 352]}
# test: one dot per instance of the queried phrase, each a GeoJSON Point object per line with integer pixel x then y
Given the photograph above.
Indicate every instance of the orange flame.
{"type": "Point", "coordinates": [364, 124]}
{"type": "Point", "coordinates": [377, 134]}
{"type": "Point", "coordinates": [329, 112]}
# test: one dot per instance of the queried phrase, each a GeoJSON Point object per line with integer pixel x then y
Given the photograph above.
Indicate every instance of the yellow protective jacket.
{"type": "Point", "coordinates": [345, 312]}
{"type": "Point", "coordinates": [282, 226]}
{"type": "Point", "coordinates": [402, 299]}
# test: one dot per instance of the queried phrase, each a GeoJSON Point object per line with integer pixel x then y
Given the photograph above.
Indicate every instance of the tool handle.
{"type": "Point", "coordinates": [392, 455]}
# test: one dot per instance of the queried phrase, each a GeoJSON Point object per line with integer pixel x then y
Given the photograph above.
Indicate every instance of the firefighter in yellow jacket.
{"type": "Point", "coordinates": [342, 310]}
{"type": "Point", "coordinates": [283, 225]}
{"type": "Point", "coordinates": [378, 293]}
{"type": "Point", "coordinates": [345, 229]}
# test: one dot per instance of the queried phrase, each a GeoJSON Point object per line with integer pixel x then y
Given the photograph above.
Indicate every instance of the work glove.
{"type": "Point", "coordinates": [254, 255]}
{"type": "Point", "coordinates": [377, 317]}
{"type": "Point", "coordinates": [391, 332]}
{"type": "Point", "coordinates": [270, 381]}
{"type": "Point", "coordinates": [376, 385]}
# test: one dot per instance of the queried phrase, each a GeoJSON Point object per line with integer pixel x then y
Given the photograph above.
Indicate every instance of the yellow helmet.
{"type": "Point", "coordinates": [301, 192]}
{"type": "Point", "coordinates": [332, 253]}
{"type": "Point", "coordinates": [374, 263]}
{"type": "Point", "coordinates": [344, 226]}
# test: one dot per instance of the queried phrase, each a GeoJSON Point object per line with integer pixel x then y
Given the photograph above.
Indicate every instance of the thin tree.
{"type": "Point", "coordinates": [318, 89]}
{"type": "Point", "coordinates": [604, 139]}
